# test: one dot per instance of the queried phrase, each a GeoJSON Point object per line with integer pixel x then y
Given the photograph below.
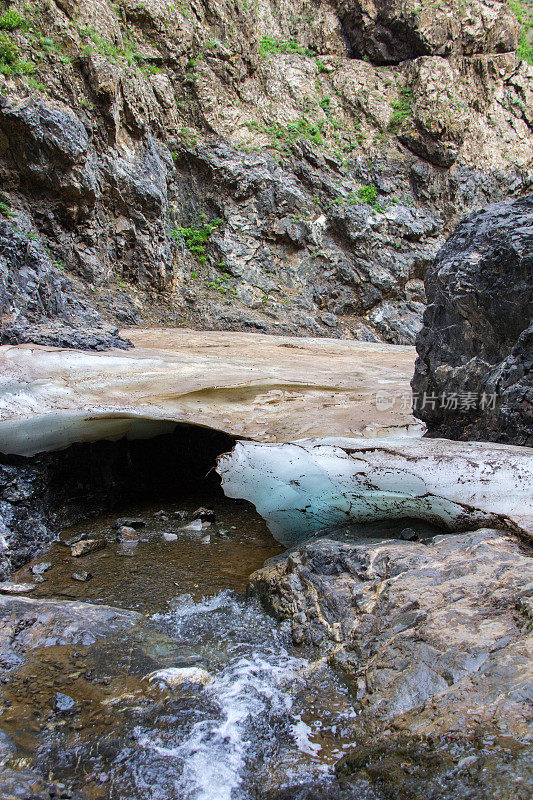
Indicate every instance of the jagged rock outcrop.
{"type": "Point", "coordinates": [42, 305]}
{"type": "Point", "coordinates": [264, 166]}
{"type": "Point", "coordinates": [475, 364]}
{"type": "Point", "coordinates": [435, 636]}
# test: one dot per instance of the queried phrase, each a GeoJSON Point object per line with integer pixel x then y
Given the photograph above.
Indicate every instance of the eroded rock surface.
{"type": "Point", "coordinates": [477, 339]}
{"type": "Point", "coordinates": [261, 166]}
{"type": "Point", "coordinates": [40, 304]}
{"type": "Point", "coordinates": [436, 640]}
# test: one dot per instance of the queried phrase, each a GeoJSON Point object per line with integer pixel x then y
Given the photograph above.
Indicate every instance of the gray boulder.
{"type": "Point", "coordinates": [473, 377]}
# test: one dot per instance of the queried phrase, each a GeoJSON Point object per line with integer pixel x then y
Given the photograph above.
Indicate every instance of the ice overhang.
{"type": "Point", "coordinates": [305, 486]}
{"type": "Point", "coordinates": [264, 388]}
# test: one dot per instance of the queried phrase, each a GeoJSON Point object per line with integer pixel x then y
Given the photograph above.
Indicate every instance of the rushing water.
{"type": "Point", "coordinates": [251, 725]}
{"type": "Point", "coordinates": [267, 716]}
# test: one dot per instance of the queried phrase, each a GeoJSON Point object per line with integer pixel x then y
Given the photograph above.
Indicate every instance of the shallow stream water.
{"type": "Point", "coordinates": [269, 715]}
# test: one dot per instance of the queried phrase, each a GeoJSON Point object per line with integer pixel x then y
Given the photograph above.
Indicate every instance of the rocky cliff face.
{"type": "Point", "coordinates": [474, 375]}
{"type": "Point", "coordinates": [269, 165]}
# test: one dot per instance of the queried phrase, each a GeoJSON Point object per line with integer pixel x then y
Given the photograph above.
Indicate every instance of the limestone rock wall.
{"type": "Point", "coordinates": [275, 165]}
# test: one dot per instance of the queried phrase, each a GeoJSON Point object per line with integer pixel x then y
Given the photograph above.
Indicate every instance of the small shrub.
{"type": "Point", "coordinates": [11, 20]}
{"type": "Point", "coordinates": [402, 109]}
{"type": "Point", "coordinates": [9, 51]}
{"type": "Point", "coordinates": [268, 45]}
{"type": "Point", "coordinates": [523, 11]}
{"type": "Point", "coordinates": [196, 238]}
{"type": "Point", "coordinates": [5, 207]}
{"type": "Point", "coordinates": [33, 83]}
{"type": "Point", "coordinates": [368, 194]}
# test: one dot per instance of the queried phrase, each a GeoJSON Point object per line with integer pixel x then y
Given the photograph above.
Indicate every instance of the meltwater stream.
{"type": "Point", "coordinates": [252, 723]}
{"type": "Point", "coordinates": [258, 714]}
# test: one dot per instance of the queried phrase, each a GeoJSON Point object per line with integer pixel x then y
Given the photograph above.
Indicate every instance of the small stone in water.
{"type": "Point", "coordinates": [193, 526]}
{"type": "Point", "coordinates": [127, 549]}
{"type": "Point", "coordinates": [38, 569]}
{"type": "Point", "coordinates": [16, 588]}
{"type": "Point", "coordinates": [175, 676]}
{"type": "Point", "coordinates": [81, 575]}
{"type": "Point", "coordinates": [128, 522]}
{"type": "Point", "coordinates": [126, 533]}
{"type": "Point", "coordinates": [63, 702]}
{"type": "Point", "coordinates": [170, 537]}
{"type": "Point", "coordinates": [409, 535]}
{"type": "Point", "coordinates": [73, 540]}
{"type": "Point", "coordinates": [82, 548]}
{"type": "Point", "coordinates": [204, 513]}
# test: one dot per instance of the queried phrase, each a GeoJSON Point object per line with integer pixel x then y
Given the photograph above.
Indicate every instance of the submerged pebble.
{"type": "Point", "coordinates": [128, 522]}
{"type": "Point", "coordinates": [62, 702]}
{"type": "Point", "coordinates": [38, 569]}
{"type": "Point", "coordinates": [176, 676]}
{"type": "Point", "coordinates": [193, 527]}
{"type": "Point", "coordinates": [85, 546]}
{"type": "Point", "coordinates": [81, 575]}
{"type": "Point", "coordinates": [7, 587]}
{"type": "Point", "coordinates": [204, 514]}
{"type": "Point", "coordinates": [127, 533]}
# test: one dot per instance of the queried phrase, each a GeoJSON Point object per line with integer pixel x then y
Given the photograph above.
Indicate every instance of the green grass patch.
{"type": "Point", "coordinates": [366, 194]}
{"type": "Point", "coordinates": [196, 238]}
{"type": "Point", "coordinates": [282, 135]}
{"type": "Point", "coordinates": [269, 46]}
{"type": "Point", "coordinates": [402, 109]}
{"type": "Point", "coordinates": [11, 20]}
{"type": "Point", "coordinates": [5, 207]}
{"type": "Point", "coordinates": [524, 14]}
{"type": "Point", "coordinates": [10, 63]}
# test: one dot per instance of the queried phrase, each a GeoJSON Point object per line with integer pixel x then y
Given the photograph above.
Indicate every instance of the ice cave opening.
{"type": "Point", "coordinates": [84, 479]}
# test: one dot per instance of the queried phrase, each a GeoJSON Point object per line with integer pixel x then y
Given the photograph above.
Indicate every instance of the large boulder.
{"type": "Point", "coordinates": [440, 625]}
{"type": "Point", "coordinates": [473, 376]}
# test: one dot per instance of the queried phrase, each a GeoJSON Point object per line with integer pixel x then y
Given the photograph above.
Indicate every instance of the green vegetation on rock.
{"type": "Point", "coordinates": [402, 109]}
{"type": "Point", "coordinates": [10, 63]}
{"type": "Point", "coordinates": [268, 45]}
{"type": "Point", "coordinates": [524, 14]}
{"type": "Point", "coordinates": [196, 238]}
{"type": "Point", "coordinates": [11, 20]}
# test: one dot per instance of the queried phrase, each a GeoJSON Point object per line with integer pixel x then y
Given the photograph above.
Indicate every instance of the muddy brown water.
{"type": "Point", "coordinates": [270, 713]}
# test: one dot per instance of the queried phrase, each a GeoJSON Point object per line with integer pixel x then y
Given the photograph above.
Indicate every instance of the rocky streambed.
{"type": "Point", "coordinates": [168, 647]}
{"type": "Point", "coordinates": [187, 690]}
{"type": "Point", "coordinates": [378, 661]}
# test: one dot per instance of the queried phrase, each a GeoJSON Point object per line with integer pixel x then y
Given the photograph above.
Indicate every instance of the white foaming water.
{"type": "Point", "coordinates": [250, 707]}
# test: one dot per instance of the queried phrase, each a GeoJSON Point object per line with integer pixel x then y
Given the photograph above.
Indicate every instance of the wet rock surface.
{"type": "Point", "coordinates": [435, 639]}
{"type": "Point", "coordinates": [27, 624]}
{"type": "Point", "coordinates": [477, 339]}
{"type": "Point", "coordinates": [441, 626]}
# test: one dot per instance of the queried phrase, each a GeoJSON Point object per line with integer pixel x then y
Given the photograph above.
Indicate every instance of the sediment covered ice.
{"type": "Point", "coordinates": [267, 388]}
{"type": "Point", "coordinates": [304, 486]}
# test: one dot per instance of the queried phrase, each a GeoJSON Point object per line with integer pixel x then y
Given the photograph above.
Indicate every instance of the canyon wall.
{"type": "Point", "coordinates": [270, 165]}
